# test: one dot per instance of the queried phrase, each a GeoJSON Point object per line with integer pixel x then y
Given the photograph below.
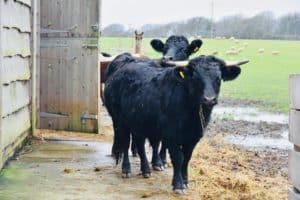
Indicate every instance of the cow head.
{"type": "Point", "coordinates": [176, 48]}
{"type": "Point", "coordinates": [203, 76]}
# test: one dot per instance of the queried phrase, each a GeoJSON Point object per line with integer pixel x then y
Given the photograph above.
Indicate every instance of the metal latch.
{"type": "Point", "coordinates": [86, 116]}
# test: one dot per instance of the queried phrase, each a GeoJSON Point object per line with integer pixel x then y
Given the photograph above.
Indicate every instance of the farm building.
{"type": "Point", "coordinates": [49, 68]}
{"type": "Point", "coordinates": [50, 79]}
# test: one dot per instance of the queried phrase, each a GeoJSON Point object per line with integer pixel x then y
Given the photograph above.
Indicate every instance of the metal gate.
{"type": "Point", "coordinates": [69, 70]}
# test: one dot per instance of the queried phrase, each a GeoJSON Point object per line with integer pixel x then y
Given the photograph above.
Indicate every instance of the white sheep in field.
{"type": "Point", "coordinates": [215, 53]}
{"type": "Point", "coordinates": [232, 52]}
{"type": "Point", "coordinates": [232, 38]}
{"type": "Point", "coordinates": [275, 53]}
{"type": "Point", "coordinates": [218, 38]}
{"type": "Point", "coordinates": [246, 44]}
{"type": "Point", "coordinates": [261, 50]}
{"type": "Point", "coordinates": [240, 50]}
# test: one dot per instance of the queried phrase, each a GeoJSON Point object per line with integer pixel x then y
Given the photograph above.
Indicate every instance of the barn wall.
{"type": "Point", "coordinates": [15, 55]}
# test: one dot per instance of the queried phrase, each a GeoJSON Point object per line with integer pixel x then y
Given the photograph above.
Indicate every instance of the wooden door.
{"type": "Point", "coordinates": [69, 70]}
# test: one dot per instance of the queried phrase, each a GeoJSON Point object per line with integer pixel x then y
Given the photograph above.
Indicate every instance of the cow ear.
{"type": "Point", "coordinates": [230, 73]}
{"type": "Point", "coordinates": [157, 45]}
{"type": "Point", "coordinates": [194, 46]}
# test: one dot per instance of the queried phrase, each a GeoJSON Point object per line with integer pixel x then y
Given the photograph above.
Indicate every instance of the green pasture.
{"type": "Point", "coordinates": [264, 79]}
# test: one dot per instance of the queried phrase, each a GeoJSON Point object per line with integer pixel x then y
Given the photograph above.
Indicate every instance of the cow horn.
{"type": "Point", "coordinates": [235, 63]}
{"type": "Point", "coordinates": [179, 63]}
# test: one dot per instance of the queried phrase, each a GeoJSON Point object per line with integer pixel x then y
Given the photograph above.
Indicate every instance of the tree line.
{"type": "Point", "coordinates": [261, 26]}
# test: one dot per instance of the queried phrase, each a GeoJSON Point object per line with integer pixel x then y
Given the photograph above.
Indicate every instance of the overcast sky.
{"type": "Point", "coordinates": [138, 12]}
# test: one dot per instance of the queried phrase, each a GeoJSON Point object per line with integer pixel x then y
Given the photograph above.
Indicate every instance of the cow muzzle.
{"type": "Point", "coordinates": [210, 101]}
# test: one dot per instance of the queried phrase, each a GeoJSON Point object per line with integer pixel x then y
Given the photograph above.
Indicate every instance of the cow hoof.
{"type": "Point", "coordinates": [126, 175]}
{"type": "Point", "coordinates": [185, 186]}
{"type": "Point", "coordinates": [158, 168]}
{"type": "Point", "coordinates": [179, 192]}
{"type": "Point", "coordinates": [147, 175]}
{"type": "Point", "coordinates": [134, 155]}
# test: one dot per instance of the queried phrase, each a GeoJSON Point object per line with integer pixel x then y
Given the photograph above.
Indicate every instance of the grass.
{"type": "Point", "coordinates": [264, 79]}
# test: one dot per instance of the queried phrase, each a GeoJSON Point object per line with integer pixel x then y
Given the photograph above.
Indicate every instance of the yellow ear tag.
{"type": "Point", "coordinates": [196, 49]}
{"type": "Point", "coordinates": [181, 74]}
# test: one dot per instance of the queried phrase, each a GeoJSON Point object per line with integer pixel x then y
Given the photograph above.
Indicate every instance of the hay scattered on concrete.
{"type": "Point", "coordinates": [221, 171]}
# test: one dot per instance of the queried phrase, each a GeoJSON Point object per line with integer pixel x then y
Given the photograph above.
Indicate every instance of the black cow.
{"type": "Point", "coordinates": [176, 47]}
{"type": "Point", "coordinates": [172, 105]}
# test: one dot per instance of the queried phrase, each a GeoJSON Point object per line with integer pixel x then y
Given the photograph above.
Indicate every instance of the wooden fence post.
{"type": "Point", "coordinates": [294, 129]}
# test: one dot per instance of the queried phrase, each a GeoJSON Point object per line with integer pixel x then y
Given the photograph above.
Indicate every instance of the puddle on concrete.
{"type": "Point", "coordinates": [66, 170]}
{"type": "Point", "coordinates": [249, 114]}
{"type": "Point", "coordinates": [278, 141]}
{"type": "Point", "coordinates": [35, 175]}
{"type": "Point", "coordinates": [260, 143]}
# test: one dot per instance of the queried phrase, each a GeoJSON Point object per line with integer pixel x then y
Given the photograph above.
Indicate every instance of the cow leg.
{"type": "Point", "coordinates": [157, 164]}
{"type": "Point", "coordinates": [163, 154]}
{"type": "Point", "coordinates": [177, 161]}
{"type": "Point", "coordinates": [126, 168]}
{"type": "Point", "coordinates": [121, 145]}
{"type": "Point", "coordinates": [113, 149]}
{"type": "Point", "coordinates": [133, 147]}
{"type": "Point", "coordinates": [140, 143]}
{"type": "Point", "coordinates": [187, 153]}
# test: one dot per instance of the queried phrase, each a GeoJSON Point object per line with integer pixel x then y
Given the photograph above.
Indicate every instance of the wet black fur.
{"type": "Point", "coordinates": [162, 105]}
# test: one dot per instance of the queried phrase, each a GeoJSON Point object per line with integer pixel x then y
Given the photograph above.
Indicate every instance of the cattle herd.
{"type": "Point", "coordinates": [167, 101]}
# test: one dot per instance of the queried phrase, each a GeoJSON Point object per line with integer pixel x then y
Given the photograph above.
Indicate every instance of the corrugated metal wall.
{"type": "Point", "coordinates": [15, 55]}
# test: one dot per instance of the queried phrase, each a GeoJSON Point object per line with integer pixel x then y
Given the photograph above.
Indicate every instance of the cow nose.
{"type": "Point", "coordinates": [167, 58]}
{"type": "Point", "coordinates": [210, 101]}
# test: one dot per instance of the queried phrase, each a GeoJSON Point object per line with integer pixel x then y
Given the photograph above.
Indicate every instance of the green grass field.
{"type": "Point", "coordinates": [264, 79]}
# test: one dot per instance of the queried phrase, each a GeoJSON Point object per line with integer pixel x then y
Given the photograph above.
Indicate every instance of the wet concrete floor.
{"type": "Point", "coordinates": [66, 169]}
{"type": "Point", "coordinates": [76, 170]}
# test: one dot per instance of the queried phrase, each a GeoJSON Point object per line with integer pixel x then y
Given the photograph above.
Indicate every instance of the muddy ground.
{"type": "Point", "coordinates": [240, 157]}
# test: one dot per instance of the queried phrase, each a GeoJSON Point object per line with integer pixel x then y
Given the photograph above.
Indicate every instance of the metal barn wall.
{"type": "Point", "coordinates": [294, 126]}
{"type": "Point", "coordinates": [15, 59]}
